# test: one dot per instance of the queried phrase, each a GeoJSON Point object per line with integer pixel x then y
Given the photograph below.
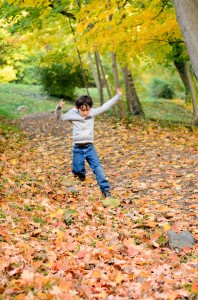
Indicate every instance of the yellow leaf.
{"type": "Point", "coordinates": [60, 211]}
{"type": "Point", "coordinates": [119, 277]}
{"type": "Point", "coordinates": [103, 295]}
{"type": "Point", "coordinates": [49, 264]}
{"type": "Point", "coordinates": [166, 227]}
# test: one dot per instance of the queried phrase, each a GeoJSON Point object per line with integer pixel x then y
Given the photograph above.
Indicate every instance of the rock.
{"type": "Point", "coordinates": [22, 108]}
{"type": "Point", "coordinates": [176, 240]}
{"type": "Point", "coordinates": [68, 182]}
{"type": "Point", "coordinates": [73, 190]}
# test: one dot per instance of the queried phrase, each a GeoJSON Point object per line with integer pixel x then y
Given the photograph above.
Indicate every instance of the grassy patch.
{"type": "Point", "coordinates": [169, 110]}
{"type": "Point", "coordinates": [17, 100]}
{"type": "Point", "coordinates": [15, 96]}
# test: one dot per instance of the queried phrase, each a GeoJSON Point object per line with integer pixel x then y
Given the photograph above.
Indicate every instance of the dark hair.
{"type": "Point", "coordinates": [84, 101]}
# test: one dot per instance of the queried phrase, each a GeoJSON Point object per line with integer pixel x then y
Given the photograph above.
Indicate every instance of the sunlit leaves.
{"type": "Point", "coordinates": [59, 240]}
{"type": "Point", "coordinates": [128, 28]}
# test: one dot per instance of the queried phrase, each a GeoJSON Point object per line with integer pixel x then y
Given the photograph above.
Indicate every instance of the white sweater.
{"type": "Point", "coordinates": [83, 128]}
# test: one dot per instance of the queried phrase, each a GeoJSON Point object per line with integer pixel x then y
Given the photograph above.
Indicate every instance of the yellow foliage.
{"type": "Point", "coordinates": [7, 74]}
{"type": "Point", "coordinates": [29, 3]}
{"type": "Point", "coordinates": [129, 30]}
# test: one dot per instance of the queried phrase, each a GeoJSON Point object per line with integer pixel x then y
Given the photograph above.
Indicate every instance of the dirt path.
{"type": "Point", "coordinates": [58, 239]}
{"type": "Point", "coordinates": [140, 161]}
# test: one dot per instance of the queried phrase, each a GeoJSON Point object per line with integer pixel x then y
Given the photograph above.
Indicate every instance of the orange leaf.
{"type": "Point", "coordinates": [27, 276]}
{"type": "Point", "coordinates": [81, 253]}
{"type": "Point", "coordinates": [119, 277]}
{"type": "Point", "coordinates": [195, 287]}
{"type": "Point", "coordinates": [132, 251]}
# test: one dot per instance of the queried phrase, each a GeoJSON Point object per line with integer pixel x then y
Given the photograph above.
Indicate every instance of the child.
{"type": "Point", "coordinates": [82, 117]}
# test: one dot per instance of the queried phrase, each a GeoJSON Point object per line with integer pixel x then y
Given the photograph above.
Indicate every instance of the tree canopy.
{"type": "Point", "coordinates": [128, 28]}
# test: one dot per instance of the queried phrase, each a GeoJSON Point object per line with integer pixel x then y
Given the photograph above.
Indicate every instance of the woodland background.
{"type": "Point", "coordinates": [69, 44]}
{"type": "Point", "coordinates": [59, 238]}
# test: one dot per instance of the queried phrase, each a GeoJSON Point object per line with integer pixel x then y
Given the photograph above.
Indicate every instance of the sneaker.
{"type": "Point", "coordinates": [106, 194]}
{"type": "Point", "coordinates": [80, 177]}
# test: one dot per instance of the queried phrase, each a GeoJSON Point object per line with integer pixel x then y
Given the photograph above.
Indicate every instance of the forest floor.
{"type": "Point", "coordinates": [60, 240]}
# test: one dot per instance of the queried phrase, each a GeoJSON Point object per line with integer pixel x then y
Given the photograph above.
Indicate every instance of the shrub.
{"type": "Point", "coordinates": [161, 89]}
{"type": "Point", "coordinates": [61, 80]}
{"type": "Point", "coordinates": [27, 74]}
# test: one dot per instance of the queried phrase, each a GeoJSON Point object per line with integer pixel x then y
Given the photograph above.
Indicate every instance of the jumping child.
{"type": "Point", "coordinates": [82, 118]}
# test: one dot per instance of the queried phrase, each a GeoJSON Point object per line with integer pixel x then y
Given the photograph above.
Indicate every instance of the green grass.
{"type": "Point", "coordinates": [167, 110]}
{"type": "Point", "coordinates": [13, 96]}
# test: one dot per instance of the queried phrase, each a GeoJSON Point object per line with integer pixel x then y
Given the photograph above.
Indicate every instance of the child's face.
{"type": "Point", "coordinates": [84, 110]}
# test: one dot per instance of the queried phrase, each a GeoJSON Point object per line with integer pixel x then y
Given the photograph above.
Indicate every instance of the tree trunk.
{"type": "Point", "coordinates": [101, 94]}
{"type": "Point", "coordinates": [117, 83]}
{"type": "Point", "coordinates": [104, 77]}
{"type": "Point", "coordinates": [193, 92]}
{"type": "Point", "coordinates": [133, 101]}
{"type": "Point", "coordinates": [95, 76]}
{"type": "Point", "coordinates": [182, 73]}
{"type": "Point", "coordinates": [127, 89]}
{"type": "Point", "coordinates": [80, 59]}
{"type": "Point", "coordinates": [187, 16]}
{"type": "Point", "coordinates": [106, 83]}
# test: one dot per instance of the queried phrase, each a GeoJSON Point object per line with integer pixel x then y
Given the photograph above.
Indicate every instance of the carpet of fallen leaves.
{"type": "Point", "coordinates": [59, 240]}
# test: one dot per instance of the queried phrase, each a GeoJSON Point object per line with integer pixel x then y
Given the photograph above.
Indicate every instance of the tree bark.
{"type": "Point", "coordinates": [193, 92]}
{"type": "Point", "coordinates": [117, 83]}
{"type": "Point", "coordinates": [80, 59]}
{"type": "Point", "coordinates": [95, 76]}
{"type": "Point", "coordinates": [101, 94]}
{"type": "Point", "coordinates": [187, 16]}
{"type": "Point", "coordinates": [127, 89]}
{"type": "Point", "coordinates": [133, 101]}
{"type": "Point", "coordinates": [104, 77]}
{"type": "Point", "coordinates": [182, 73]}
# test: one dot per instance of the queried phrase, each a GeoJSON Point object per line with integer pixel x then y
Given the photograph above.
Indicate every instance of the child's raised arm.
{"type": "Point", "coordinates": [71, 115]}
{"type": "Point", "coordinates": [106, 105]}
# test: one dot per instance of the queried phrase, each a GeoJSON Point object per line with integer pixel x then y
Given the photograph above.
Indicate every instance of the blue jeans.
{"type": "Point", "coordinates": [89, 153]}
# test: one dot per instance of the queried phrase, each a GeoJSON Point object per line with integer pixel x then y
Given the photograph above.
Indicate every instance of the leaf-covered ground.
{"type": "Point", "coordinates": [60, 240]}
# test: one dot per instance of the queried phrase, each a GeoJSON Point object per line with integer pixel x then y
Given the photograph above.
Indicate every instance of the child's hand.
{"type": "Point", "coordinates": [119, 90]}
{"type": "Point", "coordinates": [61, 103]}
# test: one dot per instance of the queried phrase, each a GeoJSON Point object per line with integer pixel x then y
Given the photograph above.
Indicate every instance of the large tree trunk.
{"type": "Point", "coordinates": [193, 92]}
{"type": "Point", "coordinates": [133, 101]}
{"type": "Point", "coordinates": [187, 15]}
{"type": "Point", "coordinates": [180, 66]}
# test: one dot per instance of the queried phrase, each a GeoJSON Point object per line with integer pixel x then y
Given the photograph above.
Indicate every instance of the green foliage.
{"type": "Point", "coordinates": [161, 89]}
{"type": "Point", "coordinates": [27, 74]}
{"type": "Point", "coordinates": [21, 20]}
{"type": "Point", "coordinates": [170, 110]}
{"type": "Point", "coordinates": [61, 80]}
